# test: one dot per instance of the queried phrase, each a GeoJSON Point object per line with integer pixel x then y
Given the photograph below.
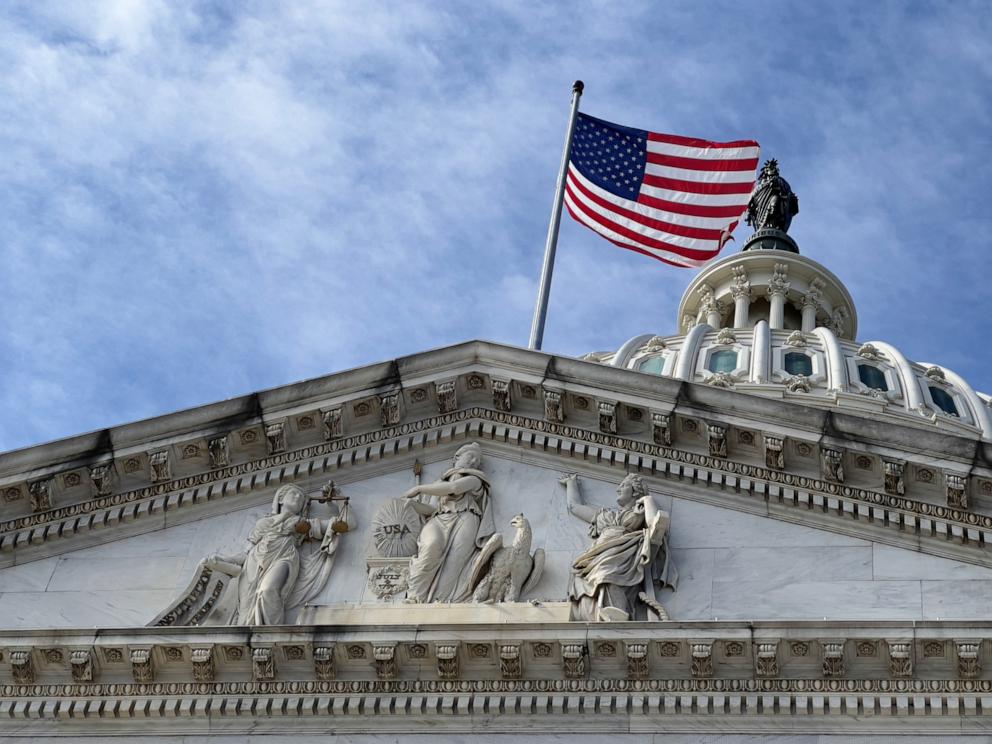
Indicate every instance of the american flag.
{"type": "Point", "coordinates": [673, 198]}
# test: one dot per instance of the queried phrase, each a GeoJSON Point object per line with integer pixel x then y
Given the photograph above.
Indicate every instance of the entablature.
{"type": "Point", "coordinates": [742, 677]}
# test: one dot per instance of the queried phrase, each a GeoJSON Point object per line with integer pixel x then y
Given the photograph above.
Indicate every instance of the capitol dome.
{"type": "Point", "coordinates": [768, 321]}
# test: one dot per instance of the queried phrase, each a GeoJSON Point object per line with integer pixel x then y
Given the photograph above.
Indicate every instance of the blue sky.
{"type": "Point", "coordinates": [201, 200]}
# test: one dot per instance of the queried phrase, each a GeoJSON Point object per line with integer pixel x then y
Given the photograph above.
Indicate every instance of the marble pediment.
{"type": "Point", "coordinates": [733, 563]}
{"type": "Point", "coordinates": [777, 511]}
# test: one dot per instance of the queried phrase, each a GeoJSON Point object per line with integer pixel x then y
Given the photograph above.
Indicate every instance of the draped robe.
{"type": "Point", "coordinates": [621, 563]}
{"type": "Point", "coordinates": [275, 577]}
{"type": "Point", "coordinates": [441, 569]}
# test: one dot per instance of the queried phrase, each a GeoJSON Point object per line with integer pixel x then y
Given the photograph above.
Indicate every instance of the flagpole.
{"type": "Point", "coordinates": [544, 289]}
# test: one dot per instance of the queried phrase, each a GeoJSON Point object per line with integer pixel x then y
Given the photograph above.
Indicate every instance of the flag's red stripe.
{"type": "Point", "coordinates": [697, 187]}
{"type": "Point", "coordinates": [674, 139]}
{"type": "Point", "coordinates": [692, 210]}
{"type": "Point", "coordinates": [680, 230]}
{"type": "Point", "coordinates": [694, 253]}
{"type": "Point", "coordinates": [700, 164]}
{"type": "Point", "coordinates": [629, 247]}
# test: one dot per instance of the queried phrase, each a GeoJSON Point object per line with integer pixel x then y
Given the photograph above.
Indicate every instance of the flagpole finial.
{"type": "Point", "coordinates": [578, 86]}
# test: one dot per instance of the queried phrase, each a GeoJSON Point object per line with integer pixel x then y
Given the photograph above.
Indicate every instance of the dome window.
{"type": "Point", "coordinates": [872, 377]}
{"type": "Point", "coordinates": [798, 364]}
{"type": "Point", "coordinates": [723, 361]}
{"type": "Point", "coordinates": [943, 401]}
{"type": "Point", "coordinates": [652, 365]}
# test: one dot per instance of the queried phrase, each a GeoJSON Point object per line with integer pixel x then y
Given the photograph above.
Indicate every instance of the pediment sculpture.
{"type": "Point", "coordinates": [459, 523]}
{"type": "Point", "coordinates": [615, 578]}
{"type": "Point", "coordinates": [275, 573]}
{"type": "Point", "coordinates": [504, 573]}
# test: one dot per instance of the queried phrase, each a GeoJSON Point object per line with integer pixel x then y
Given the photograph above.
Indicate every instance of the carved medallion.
{"type": "Point", "coordinates": [866, 648]}
{"type": "Point", "coordinates": [53, 655]}
{"type": "Point", "coordinates": [542, 650]}
{"type": "Point", "coordinates": [607, 650]}
{"type": "Point", "coordinates": [173, 653]}
{"type": "Point", "coordinates": [734, 648]}
{"type": "Point", "coordinates": [390, 579]}
{"type": "Point", "coordinates": [113, 655]}
{"type": "Point", "coordinates": [234, 653]}
{"type": "Point", "coordinates": [395, 529]}
{"type": "Point", "coordinates": [294, 653]}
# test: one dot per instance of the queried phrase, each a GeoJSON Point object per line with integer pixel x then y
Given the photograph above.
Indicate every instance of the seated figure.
{"type": "Point", "coordinates": [614, 579]}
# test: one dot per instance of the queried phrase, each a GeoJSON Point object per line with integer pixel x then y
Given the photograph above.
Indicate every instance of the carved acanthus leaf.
{"type": "Point", "coordinates": [895, 484]}
{"type": "Point", "coordinates": [447, 399]}
{"type": "Point", "coordinates": [778, 284]}
{"type": "Point", "coordinates": [796, 339]}
{"type": "Point", "coordinates": [721, 380]}
{"type": "Point", "coordinates": [501, 395]}
{"type": "Point", "coordinates": [717, 440]}
{"type": "Point", "coordinates": [661, 429]}
{"type": "Point", "coordinates": [159, 466]}
{"type": "Point", "coordinates": [608, 416]}
{"type": "Point", "coordinates": [868, 351]}
{"type": "Point", "coordinates": [553, 409]}
{"type": "Point", "coordinates": [740, 287]}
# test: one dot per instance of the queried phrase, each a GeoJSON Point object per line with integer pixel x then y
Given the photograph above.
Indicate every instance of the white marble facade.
{"type": "Point", "coordinates": [732, 565]}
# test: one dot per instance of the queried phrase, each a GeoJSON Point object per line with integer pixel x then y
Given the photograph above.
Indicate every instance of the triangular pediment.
{"type": "Point", "coordinates": [757, 473]}
{"type": "Point", "coordinates": [731, 564]}
{"type": "Point", "coordinates": [827, 565]}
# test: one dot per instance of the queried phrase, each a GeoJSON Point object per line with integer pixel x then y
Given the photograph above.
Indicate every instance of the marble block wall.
{"type": "Point", "coordinates": [732, 565]}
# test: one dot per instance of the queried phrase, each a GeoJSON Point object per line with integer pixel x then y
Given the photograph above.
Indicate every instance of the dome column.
{"type": "Point", "coordinates": [713, 315]}
{"type": "Point", "coordinates": [811, 300]}
{"type": "Point", "coordinates": [777, 289]}
{"type": "Point", "coordinates": [741, 290]}
{"type": "Point", "coordinates": [710, 307]}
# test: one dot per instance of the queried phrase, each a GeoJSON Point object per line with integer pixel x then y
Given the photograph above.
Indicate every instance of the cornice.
{"type": "Point", "coordinates": [738, 676]}
{"type": "Point", "coordinates": [941, 530]}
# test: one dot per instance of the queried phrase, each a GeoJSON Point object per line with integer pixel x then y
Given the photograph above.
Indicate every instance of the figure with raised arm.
{"type": "Point", "coordinates": [614, 579]}
{"type": "Point", "coordinates": [459, 522]}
